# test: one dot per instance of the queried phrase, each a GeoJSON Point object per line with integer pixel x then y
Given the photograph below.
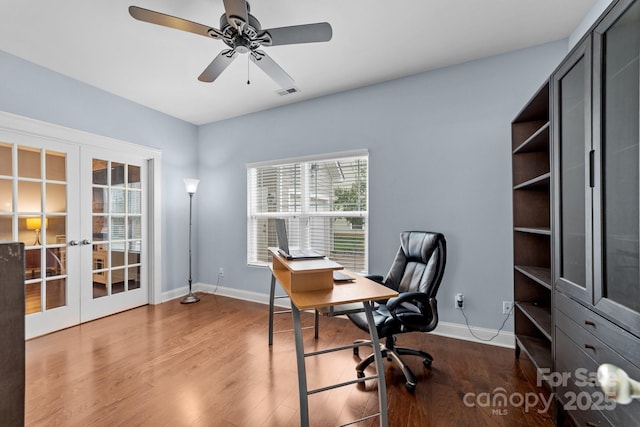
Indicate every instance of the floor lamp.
{"type": "Point", "coordinates": [191, 186]}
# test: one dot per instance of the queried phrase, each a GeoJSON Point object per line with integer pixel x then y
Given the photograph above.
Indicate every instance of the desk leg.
{"type": "Point", "coordinates": [272, 294]}
{"type": "Point", "coordinates": [302, 371]}
{"type": "Point", "coordinates": [382, 387]}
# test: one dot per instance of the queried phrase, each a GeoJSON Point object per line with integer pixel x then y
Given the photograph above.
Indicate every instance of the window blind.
{"type": "Point", "coordinates": [324, 201]}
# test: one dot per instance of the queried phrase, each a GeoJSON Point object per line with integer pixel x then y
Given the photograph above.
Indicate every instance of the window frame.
{"type": "Point", "coordinates": [304, 214]}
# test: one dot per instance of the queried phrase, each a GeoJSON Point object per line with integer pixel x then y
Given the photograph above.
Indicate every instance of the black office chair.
{"type": "Point", "coordinates": [416, 274]}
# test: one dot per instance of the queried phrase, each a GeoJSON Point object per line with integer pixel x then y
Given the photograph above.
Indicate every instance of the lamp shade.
{"type": "Point", "coordinates": [35, 223]}
{"type": "Point", "coordinates": [191, 185]}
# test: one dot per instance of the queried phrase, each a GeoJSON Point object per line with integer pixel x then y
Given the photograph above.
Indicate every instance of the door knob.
{"type": "Point", "coordinates": [74, 243]}
{"type": "Point", "coordinates": [86, 242]}
{"type": "Point", "coordinates": [617, 385]}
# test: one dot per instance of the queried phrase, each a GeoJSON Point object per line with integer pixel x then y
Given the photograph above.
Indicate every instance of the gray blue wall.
{"type": "Point", "coordinates": [36, 92]}
{"type": "Point", "coordinates": [439, 146]}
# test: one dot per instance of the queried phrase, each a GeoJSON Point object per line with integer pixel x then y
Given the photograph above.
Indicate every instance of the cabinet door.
{"type": "Point", "coordinates": [572, 193]}
{"type": "Point", "coordinates": [617, 203]}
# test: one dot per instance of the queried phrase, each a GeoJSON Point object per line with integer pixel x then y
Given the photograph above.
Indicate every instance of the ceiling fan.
{"type": "Point", "coordinates": [242, 32]}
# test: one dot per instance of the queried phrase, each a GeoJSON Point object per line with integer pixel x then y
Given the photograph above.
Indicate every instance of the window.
{"type": "Point", "coordinates": [324, 200]}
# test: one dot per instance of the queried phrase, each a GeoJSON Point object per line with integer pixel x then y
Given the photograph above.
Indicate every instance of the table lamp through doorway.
{"type": "Point", "coordinates": [35, 223]}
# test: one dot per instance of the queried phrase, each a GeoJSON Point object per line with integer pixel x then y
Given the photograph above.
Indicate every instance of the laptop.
{"type": "Point", "coordinates": [283, 245]}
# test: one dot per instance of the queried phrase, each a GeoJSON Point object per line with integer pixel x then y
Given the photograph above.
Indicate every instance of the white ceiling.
{"type": "Point", "coordinates": [98, 42]}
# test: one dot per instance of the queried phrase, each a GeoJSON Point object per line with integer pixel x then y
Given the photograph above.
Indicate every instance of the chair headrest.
{"type": "Point", "coordinates": [418, 246]}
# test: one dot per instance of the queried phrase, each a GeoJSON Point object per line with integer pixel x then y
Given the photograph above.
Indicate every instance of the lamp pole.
{"type": "Point", "coordinates": [191, 186]}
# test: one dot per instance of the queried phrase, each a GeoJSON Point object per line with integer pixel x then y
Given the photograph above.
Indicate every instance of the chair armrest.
{"type": "Point", "coordinates": [375, 278]}
{"type": "Point", "coordinates": [423, 320]}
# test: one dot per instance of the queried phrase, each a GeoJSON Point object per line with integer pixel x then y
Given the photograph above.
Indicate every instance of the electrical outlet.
{"type": "Point", "coordinates": [459, 300]}
{"type": "Point", "coordinates": [506, 307]}
{"type": "Point", "coordinates": [221, 272]}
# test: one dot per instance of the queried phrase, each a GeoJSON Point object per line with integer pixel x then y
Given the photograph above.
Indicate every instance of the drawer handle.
{"type": "Point", "coordinates": [591, 424]}
{"type": "Point", "coordinates": [590, 347]}
{"type": "Point", "coordinates": [589, 323]}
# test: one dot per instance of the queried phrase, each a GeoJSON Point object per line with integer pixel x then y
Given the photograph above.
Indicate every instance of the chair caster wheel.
{"type": "Point", "coordinates": [410, 387]}
{"type": "Point", "coordinates": [356, 351]}
{"type": "Point", "coordinates": [360, 374]}
{"type": "Point", "coordinates": [427, 363]}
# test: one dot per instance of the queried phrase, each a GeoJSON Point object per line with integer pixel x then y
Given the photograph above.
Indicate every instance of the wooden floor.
{"type": "Point", "coordinates": [209, 364]}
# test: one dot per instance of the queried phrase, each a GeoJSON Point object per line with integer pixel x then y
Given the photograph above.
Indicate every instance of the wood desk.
{"type": "Point", "coordinates": [362, 290]}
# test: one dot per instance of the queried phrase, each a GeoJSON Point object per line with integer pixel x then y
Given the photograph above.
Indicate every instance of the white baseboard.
{"type": "Point", "coordinates": [445, 329]}
{"type": "Point", "coordinates": [461, 332]}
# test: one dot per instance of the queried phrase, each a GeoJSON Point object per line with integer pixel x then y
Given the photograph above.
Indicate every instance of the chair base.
{"type": "Point", "coordinates": [393, 353]}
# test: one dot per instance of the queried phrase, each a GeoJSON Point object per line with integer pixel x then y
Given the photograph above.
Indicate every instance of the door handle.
{"type": "Point", "coordinates": [73, 243]}
{"type": "Point", "coordinates": [86, 242]}
{"type": "Point", "coordinates": [617, 385]}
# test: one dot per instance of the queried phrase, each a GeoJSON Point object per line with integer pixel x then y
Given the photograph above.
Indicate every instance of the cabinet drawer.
{"type": "Point", "coordinates": [577, 391]}
{"type": "Point", "coordinates": [578, 358]}
{"type": "Point", "coordinates": [621, 341]}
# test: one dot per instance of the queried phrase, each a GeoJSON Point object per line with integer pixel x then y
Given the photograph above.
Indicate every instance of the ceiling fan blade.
{"type": "Point", "coordinates": [273, 70]}
{"type": "Point", "coordinates": [158, 18]}
{"type": "Point", "coordinates": [218, 65]}
{"type": "Point", "coordinates": [308, 33]}
{"type": "Point", "coordinates": [237, 13]}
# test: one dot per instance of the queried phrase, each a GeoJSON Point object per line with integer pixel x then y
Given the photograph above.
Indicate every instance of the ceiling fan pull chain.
{"type": "Point", "coordinates": [248, 81]}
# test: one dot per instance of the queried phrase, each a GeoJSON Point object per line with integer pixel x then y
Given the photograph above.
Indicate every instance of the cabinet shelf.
{"type": "Point", "coordinates": [546, 231]}
{"type": "Point", "coordinates": [540, 275]}
{"type": "Point", "coordinates": [538, 350]}
{"type": "Point", "coordinates": [542, 181]}
{"type": "Point", "coordinates": [539, 316]}
{"type": "Point", "coordinates": [538, 141]}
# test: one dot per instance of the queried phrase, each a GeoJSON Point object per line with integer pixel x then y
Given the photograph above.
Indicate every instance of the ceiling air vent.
{"type": "Point", "coordinates": [283, 92]}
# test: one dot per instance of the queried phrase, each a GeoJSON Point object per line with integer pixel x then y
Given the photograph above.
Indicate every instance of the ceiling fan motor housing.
{"type": "Point", "coordinates": [242, 42]}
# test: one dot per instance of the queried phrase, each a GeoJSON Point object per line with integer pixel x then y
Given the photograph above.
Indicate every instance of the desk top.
{"type": "Point", "coordinates": [305, 265]}
{"type": "Point", "coordinates": [362, 289]}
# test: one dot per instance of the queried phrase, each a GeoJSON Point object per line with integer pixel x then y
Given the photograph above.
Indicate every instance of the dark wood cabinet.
{"type": "Point", "coordinates": [596, 215]}
{"type": "Point", "coordinates": [12, 348]}
{"type": "Point", "coordinates": [577, 223]}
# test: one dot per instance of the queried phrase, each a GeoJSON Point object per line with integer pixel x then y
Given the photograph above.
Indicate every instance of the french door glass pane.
{"type": "Point", "coordinates": [6, 160]}
{"type": "Point", "coordinates": [100, 171]}
{"type": "Point", "coordinates": [572, 175]}
{"type": "Point", "coordinates": [6, 232]}
{"type": "Point", "coordinates": [117, 201]}
{"type": "Point", "coordinates": [6, 203]}
{"type": "Point", "coordinates": [55, 198]}
{"type": "Point", "coordinates": [29, 196]}
{"type": "Point", "coordinates": [117, 174]}
{"type": "Point", "coordinates": [134, 277]}
{"type": "Point", "coordinates": [33, 297]}
{"type": "Point", "coordinates": [100, 230]}
{"type": "Point", "coordinates": [621, 160]}
{"type": "Point", "coordinates": [56, 166]}
{"type": "Point", "coordinates": [29, 163]}
{"type": "Point", "coordinates": [32, 261]}
{"type": "Point", "coordinates": [134, 177]}
{"type": "Point", "coordinates": [56, 230]}
{"type": "Point", "coordinates": [100, 200]}
{"type": "Point", "coordinates": [56, 293]}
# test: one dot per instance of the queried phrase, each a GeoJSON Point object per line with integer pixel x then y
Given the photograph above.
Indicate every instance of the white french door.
{"type": "Point", "coordinates": [37, 208]}
{"type": "Point", "coordinates": [83, 215]}
{"type": "Point", "coordinates": [113, 249]}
